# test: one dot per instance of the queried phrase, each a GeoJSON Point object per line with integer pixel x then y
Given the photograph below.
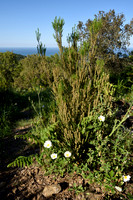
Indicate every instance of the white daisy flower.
{"type": "Point", "coordinates": [53, 155]}
{"type": "Point", "coordinates": [126, 178]}
{"type": "Point", "coordinates": [48, 144]}
{"type": "Point", "coordinates": [101, 118]}
{"type": "Point", "coordinates": [67, 154]}
{"type": "Point", "coordinates": [118, 188]}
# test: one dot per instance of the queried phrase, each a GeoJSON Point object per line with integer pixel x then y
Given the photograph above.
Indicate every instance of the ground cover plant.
{"type": "Point", "coordinates": [76, 125]}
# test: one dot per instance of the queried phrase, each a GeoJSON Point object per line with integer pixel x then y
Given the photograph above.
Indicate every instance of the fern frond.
{"type": "Point", "coordinates": [51, 128]}
{"type": "Point", "coordinates": [22, 161]}
{"type": "Point", "coordinates": [39, 158]}
{"type": "Point", "coordinates": [21, 136]}
{"type": "Point", "coordinates": [27, 136]}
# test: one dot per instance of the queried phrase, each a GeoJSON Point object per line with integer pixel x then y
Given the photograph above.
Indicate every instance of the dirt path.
{"type": "Point", "coordinates": [10, 149]}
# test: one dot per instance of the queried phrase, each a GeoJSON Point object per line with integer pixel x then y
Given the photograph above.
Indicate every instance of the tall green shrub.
{"type": "Point", "coordinates": [9, 69]}
{"type": "Point", "coordinates": [35, 72]}
{"type": "Point", "coordinates": [77, 95]}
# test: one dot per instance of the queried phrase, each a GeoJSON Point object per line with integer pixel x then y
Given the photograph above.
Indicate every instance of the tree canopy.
{"type": "Point", "coordinates": [106, 33]}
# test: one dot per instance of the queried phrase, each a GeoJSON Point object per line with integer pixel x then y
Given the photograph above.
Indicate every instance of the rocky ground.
{"type": "Point", "coordinates": [31, 183]}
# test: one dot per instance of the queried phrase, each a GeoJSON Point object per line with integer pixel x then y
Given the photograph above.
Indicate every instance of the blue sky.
{"type": "Point", "coordinates": [20, 18]}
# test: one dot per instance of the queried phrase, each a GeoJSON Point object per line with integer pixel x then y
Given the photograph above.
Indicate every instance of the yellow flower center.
{"type": "Point", "coordinates": [125, 177]}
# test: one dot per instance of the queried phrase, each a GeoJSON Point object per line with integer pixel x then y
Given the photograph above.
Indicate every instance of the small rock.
{"type": "Point", "coordinates": [10, 195]}
{"type": "Point", "coordinates": [98, 190]}
{"type": "Point", "coordinates": [92, 188]}
{"type": "Point", "coordinates": [40, 182]}
{"type": "Point", "coordinates": [36, 170]}
{"type": "Point", "coordinates": [93, 196]}
{"type": "Point", "coordinates": [51, 189]}
{"type": "Point", "coordinates": [14, 190]}
{"type": "Point", "coordinates": [40, 197]}
{"type": "Point", "coordinates": [80, 196]}
{"type": "Point", "coordinates": [71, 181]}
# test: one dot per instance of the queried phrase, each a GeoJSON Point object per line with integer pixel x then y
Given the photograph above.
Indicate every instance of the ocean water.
{"type": "Point", "coordinates": [33, 50]}
{"type": "Point", "coordinates": [29, 50]}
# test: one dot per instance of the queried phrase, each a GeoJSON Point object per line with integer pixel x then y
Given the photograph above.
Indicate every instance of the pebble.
{"type": "Point", "coordinates": [51, 189]}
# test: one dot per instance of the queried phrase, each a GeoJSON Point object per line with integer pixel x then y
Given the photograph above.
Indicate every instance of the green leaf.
{"type": "Point", "coordinates": [90, 127]}
{"type": "Point", "coordinates": [111, 173]}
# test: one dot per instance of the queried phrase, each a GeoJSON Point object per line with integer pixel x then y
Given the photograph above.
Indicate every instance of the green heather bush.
{"type": "Point", "coordinates": [35, 72]}
{"type": "Point", "coordinates": [81, 133]}
{"type": "Point", "coordinates": [9, 69]}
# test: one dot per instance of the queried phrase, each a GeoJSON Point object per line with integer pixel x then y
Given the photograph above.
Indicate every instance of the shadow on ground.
{"type": "Point", "coordinates": [10, 149]}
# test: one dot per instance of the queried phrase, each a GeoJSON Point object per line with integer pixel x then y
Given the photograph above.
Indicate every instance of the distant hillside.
{"type": "Point", "coordinates": [19, 56]}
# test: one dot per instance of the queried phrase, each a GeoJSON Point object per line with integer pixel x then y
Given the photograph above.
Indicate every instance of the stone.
{"type": "Point", "coordinates": [98, 190]}
{"type": "Point", "coordinates": [41, 198]}
{"type": "Point", "coordinates": [51, 189]}
{"type": "Point", "coordinates": [14, 190]}
{"type": "Point", "coordinates": [80, 196]}
{"type": "Point", "coordinates": [40, 182]}
{"type": "Point", "coordinates": [93, 196]}
{"type": "Point", "coordinates": [36, 171]}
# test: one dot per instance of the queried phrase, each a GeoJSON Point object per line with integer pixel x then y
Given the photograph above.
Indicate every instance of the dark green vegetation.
{"type": "Point", "coordinates": [67, 93]}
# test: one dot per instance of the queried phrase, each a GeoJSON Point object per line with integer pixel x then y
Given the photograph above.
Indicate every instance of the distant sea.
{"type": "Point", "coordinates": [29, 50]}
{"type": "Point", "coordinates": [33, 50]}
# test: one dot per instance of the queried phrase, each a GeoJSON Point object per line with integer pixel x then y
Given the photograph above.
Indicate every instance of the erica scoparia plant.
{"type": "Point", "coordinates": [40, 49]}
{"type": "Point", "coordinates": [58, 24]}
